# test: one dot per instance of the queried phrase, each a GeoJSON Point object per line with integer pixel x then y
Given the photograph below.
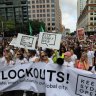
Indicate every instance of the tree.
{"type": "Point", "coordinates": [36, 24]}
{"type": "Point", "coordinates": [10, 25]}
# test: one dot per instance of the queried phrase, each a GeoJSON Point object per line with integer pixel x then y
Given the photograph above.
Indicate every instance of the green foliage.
{"type": "Point", "coordinates": [36, 24]}
{"type": "Point", "coordinates": [10, 25]}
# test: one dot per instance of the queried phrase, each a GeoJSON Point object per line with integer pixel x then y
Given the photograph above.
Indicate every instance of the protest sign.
{"type": "Point", "coordinates": [29, 77]}
{"type": "Point", "coordinates": [13, 42]}
{"type": "Point", "coordinates": [49, 40]}
{"type": "Point", "coordinates": [81, 34]}
{"type": "Point", "coordinates": [52, 79]}
{"type": "Point", "coordinates": [65, 81]}
{"type": "Point", "coordinates": [26, 41]}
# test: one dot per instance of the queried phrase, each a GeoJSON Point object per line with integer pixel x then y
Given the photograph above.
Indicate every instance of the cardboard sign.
{"type": "Point", "coordinates": [81, 34]}
{"type": "Point", "coordinates": [26, 41]}
{"type": "Point", "coordinates": [49, 40]}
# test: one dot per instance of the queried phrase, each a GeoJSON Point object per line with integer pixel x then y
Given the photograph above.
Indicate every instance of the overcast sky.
{"type": "Point", "coordinates": [69, 14]}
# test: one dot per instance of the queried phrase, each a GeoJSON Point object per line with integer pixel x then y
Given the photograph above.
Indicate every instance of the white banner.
{"type": "Point", "coordinates": [49, 40]}
{"type": "Point", "coordinates": [26, 41]}
{"type": "Point", "coordinates": [29, 77]}
{"type": "Point", "coordinates": [52, 79]}
{"type": "Point", "coordinates": [64, 81]}
{"type": "Point", "coordinates": [13, 42]}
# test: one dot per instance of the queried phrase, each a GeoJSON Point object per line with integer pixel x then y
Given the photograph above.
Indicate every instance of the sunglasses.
{"type": "Point", "coordinates": [44, 56]}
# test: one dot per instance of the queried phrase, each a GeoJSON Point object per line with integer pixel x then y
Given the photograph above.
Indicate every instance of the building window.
{"type": "Point", "coordinates": [43, 6]}
{"type": "Point", "coordinates": [29, 7]}
{"type": "Point", "coordinates": [34, 15]}
{"type": "Point", "coordinates": [33, 2]}
{"type": "Point", "coordinates": [40, 6]}
{"type": "Point", "coordinates": [48, 28]}
{"type": "Point", "coordinates": [94, 18]}
{"type": "Point", "coordinates": [44, 15]}
{"type": "Point", "coordinates": [48, 6]}
{"type": "Point", "coordinates": [43, 10]}
{"type": "Point", "coordinates": [48, 10]}
{"type": "Point", "coordinates": [48, 15]}
{"type": "Point", "coordinates": [53, 19]}
{"type": "Point", "coordinates": [52, 6]}
{"type": "Point", "coordinates": [37, 11]}
{"type": "Point", "coordinates": [33, 6]}
{"type": "Point", "coordinates": [48, 24]}
{"type": "Point", "coordinates": [48, 19]}
{"type": "Point", "coordinates": [37, 6]}
{"type": "Point", "coordinates": [53, 10]}
{"type": "Point", "coordinates": [47, 1]}
{"type": "Point", "coordinates": [40, 11]}
{"type": "Point", "coordinates": [40, 15]}
{"type": "Point", "coordinates": [33, 11]}
{"type": "Point", "coordinates": [91, 18]}
{"type": "Point", "coordinates": [91, 13]}
{"type": "Point", "coordinates": [53, 15]}
{"type": "Point", "coordinates": [37, 15]}
{"type": "Point", "coordinates": [52, 1]}
{"type": "Point", "coordinates": [28, 2]}
{"type": "Point", "coordinates": [53, 24]}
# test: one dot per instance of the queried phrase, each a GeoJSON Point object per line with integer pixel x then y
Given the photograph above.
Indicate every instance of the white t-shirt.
{"type": "Point", "coordinates": [73, 58]}
{"type": "Point", "coordinates": [23, 61]}
{"type": "Point", "coordinates": [68, 64]}
{"type": "Point", "coordinates": [90, 55]}
{"type": "Point", "coordinates": [11, 63]}
{"type": "Point", "coordinates": [32, 59]}
{"type": "Point", "coordinates": [50, 61]}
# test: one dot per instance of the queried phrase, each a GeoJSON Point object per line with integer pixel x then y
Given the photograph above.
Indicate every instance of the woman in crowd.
{"type": "Point", "coordinates": [83, 62]}
{"type": "Point", "coordinates": [8, 60]}
{"type": "Point", "coordinates": [32, 55]}
{"type": "Point", "coordinates": [20, 59]}
{"type": "Point", "coordinates": [43, 57]}
{"type": "Point", "coordinates": [60, 53]}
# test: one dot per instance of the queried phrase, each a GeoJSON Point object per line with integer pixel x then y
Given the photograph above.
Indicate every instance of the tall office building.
{"type": "Point", "coordinates": [80, 6]}
{"type": "Point", "coordinates": [14, 10]}
{"type": "Point", "coordinates": [87, 19]}
{"type": "Point", "coordinates": [48, 11]}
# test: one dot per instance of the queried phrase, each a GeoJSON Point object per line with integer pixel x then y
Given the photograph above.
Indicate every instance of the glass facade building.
{"type": "Point", "coordinates": [14, 10]}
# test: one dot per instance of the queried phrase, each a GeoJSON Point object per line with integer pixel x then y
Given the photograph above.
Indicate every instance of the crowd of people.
{"type": "Point", "coordinates": [72, 53]}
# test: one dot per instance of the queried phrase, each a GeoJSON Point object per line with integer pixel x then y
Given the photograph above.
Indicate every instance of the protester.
{"type": "Point", "coordinates": [67, 60]}
{"type": "Point", "coordinates": [8, 60]}
{"type": "Point", "coordinates": [83, 62]}
{"type": "Point", "coordinates": [77, 50]}
{"type": "Point", "coordinates": [73, 56]}
{"type": "Point", "coordinates": [20, 59]}
{"type": "Point", "coordinates": [32, 55]}
{"type": "Point", "coordinates": [43, 57]}
{"type": "Point", "coordinates": [59, 54]}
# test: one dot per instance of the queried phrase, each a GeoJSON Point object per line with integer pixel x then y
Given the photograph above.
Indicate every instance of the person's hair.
{"type": "Point", "coordinates": [60, 52]}
{"type": "Point", "coordinates": [84, 54]}
{"type": "Point", "coordinates": [9, 55]}
{"type": "Point", "coordinates": [49, 52]}
{"type": "Point", "coordinates": [32, 52]}
{"type": "Point", "coordinates": [60, 61]}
